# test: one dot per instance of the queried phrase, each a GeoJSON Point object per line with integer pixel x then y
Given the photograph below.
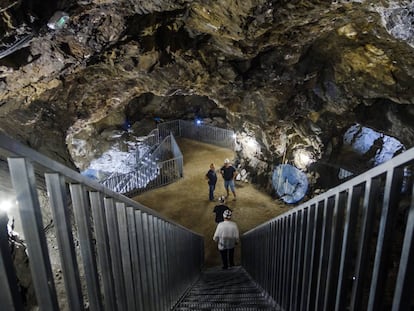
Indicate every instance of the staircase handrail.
{"type": "Point", "coordinates": [331, 252]}
{"type": "Point", "coordinates": [166, 131]}
{"type": "Point", "coordinates": [129, 185]}
{"type": "Point", "coordinates": [132, 258]}
{"type": "Point", "coordinates": [149, 141]}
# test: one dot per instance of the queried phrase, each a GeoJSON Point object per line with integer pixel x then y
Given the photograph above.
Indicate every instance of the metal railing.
{"type": "Point", "coordinates": [169, 164]}
{"type": "Point", "coordinates": [116, 180]}
{"type": "Point", "coordinates": [152, 140]}
{"type": "Point", "coordinates": [351, 248]}
{"type": "Point", "coordinates": [200, 132]}
{"type": "Point", "coordinates": [114, 253]}
{"type": "Point", "coordinates": [166, 158]}
{"type": "Point", "coordinates": [157, 168]}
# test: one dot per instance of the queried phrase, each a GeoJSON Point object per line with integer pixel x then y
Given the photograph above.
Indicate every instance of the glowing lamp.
{"type": "Point", "coordinates": [5, 206]}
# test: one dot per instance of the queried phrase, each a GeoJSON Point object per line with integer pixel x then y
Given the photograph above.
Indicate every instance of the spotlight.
{"type": "Point", "coordinates": [303, 158]}
{"type": "Point", "coordinates": [198, 121]}
{"type": "Point", "coordinates": [234, 135]}
{"type": "Point", "coordinates": [5, 206]}
{"type": "Point", "coordinates": [251, 142]}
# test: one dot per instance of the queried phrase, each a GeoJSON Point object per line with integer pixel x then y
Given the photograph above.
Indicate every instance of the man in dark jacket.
{"type": "Point", "coordinates": [212, 180]}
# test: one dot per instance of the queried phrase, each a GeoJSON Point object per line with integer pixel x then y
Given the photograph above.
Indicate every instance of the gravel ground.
{"type": "Point", "coordinates": [186, 201]}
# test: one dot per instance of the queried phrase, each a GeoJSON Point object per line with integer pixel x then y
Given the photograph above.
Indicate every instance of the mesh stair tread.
{"type": "Point", "coordinates": [219, 289]}
{"type": "Point", "coordinates": [227, 309]}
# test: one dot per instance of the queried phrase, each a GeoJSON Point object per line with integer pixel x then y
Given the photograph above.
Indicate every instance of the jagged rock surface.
{"type": "Point", "coordinates": [292, 74]}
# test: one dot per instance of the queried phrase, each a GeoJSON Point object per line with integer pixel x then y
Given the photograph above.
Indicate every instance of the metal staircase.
{"type": "Point", "coordinates": [124, 183]}
{"type": "Point", "coordinates": [350, 248]}
{"type": "Point", "coordinates": [231, 290]}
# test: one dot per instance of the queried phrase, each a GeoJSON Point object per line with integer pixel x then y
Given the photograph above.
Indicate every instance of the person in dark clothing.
{"type": "Point", "coordinates": [212, 180]}
{"type": "Point", "coordinates": [220, 208]}
{"type": "Point", "coordinates": [229, 174]}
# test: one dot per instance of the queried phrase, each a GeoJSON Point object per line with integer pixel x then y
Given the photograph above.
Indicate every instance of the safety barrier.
{"type": "Point", "coordinates": [169, 163]}
{"type": "Point", "coordinates": [155, 169]}
{"type": "Point", "coordinates": [351, 248]}
{"type": "Point", "coordinates": [200, 132]}
{"type": "Point", "coordinates": [164, 165]}
{"type": "Point", "coordinates": [114, 253]}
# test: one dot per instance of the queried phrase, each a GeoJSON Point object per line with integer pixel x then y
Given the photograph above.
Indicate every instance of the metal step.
{"type": "Point", "coordinates": [225, 290]}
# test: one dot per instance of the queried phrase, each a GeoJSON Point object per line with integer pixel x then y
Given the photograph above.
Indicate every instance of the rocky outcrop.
{"type": "Point", "coordinates": [291, 76]}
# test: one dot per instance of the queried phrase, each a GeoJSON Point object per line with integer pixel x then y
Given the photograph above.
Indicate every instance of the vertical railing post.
{"type": "Point", "coordinates": [273, 253]}
{"type": "Point", "coordinates": [405, 279]}
{"type": "Point", "coordinates": [285, 276]}
{"type": "Point", "coordinates": [310, 235]}
{"type": "Point", "coordinates": [334, 251]}
{"type": "Point", "coordinates": [301, 255]}
{"type": "Point", "coordinates": [83, 221]}
{"type": "Point", "coordinates": [125, 255]}
{"type": "Point", "coordinates": [145, 273]}
{"type": "Point", "coordinates": [154, 260]}
{"type": "Point", "coordinates": [326, 235]}
{"type": "Point", "coordinates": [136, 266]}
{"type": "Point", "coordinates": [297, 260]}
{"type": "Point", "coordinates": [115, 252]}
{"type": "Point", "coordinates": [289, 256]}
{"type": "Point", "coordinates": [58, 201]}
{"type": "Point", "coordinates": [316, 249]}
{"type": "Point", "coordinates": [102, 248]}
{"type": "Point", "coordinates": [295, 257]}
{"type": "Point", "coordinates": [389, 212]}
{"type": "Point", "coordinates": [278, 259]}
{"type": "Point", "coordinates": [148, 260]}
{"type": "Point", "coordinates": [350, 227]}
{"type": "Point", "coordinates": [371, 191]}
{"type": "Point", "coordinates": [23, 181]}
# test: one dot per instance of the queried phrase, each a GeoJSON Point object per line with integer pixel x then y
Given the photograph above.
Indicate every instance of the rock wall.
{"type": "Point", "coordinates": [292, 75]}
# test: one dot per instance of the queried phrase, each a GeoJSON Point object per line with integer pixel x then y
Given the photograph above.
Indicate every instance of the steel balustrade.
{"type": "Point", "coordinates": [163, 162]}
{"type": "Point", "coordinates": [350, 248]}
{"type": "Point", "coordinates": [115, 254]}
{"type": "Point", "coordinates": [157, 168]}
{"type": "Point", "coordinates": [200, 132]}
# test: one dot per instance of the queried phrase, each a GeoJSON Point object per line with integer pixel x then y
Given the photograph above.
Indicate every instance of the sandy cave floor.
{"type": "Point", "coordinates": [186, 201]}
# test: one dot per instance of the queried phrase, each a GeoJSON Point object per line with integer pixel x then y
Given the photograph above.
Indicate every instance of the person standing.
{"type": "Point", "coordinates": [226, 236]}
{"type": "Point", "coordinates": [211, 176]}
{"type": "Point", "coordinates": [229, 175]}
{"type": "Point", "coordinates": [220, 209]}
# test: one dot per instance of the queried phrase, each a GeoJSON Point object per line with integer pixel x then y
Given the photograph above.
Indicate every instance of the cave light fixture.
{"type": "Point", "coordinates": [251, 146]}
{"type": "Point", "coordinates": [251, 142]}
{"type": "Point", "coordinates": [303, 158]}
{"type": "Point", "coordinates": [5, 206]}
{"type": "Point", "coordinates": [198, 121]}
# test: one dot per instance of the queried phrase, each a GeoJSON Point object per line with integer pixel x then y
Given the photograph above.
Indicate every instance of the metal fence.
{"type": "Point", "coordinates": [169, 164]}
{"type": "Point", "coordinates": [151, 141]}
{"type": "Point", "coordinates": [157, 168]}
{"type": "Point", "coordinates": [200, 132]}
{"type": "Point", "coordinates": [350, 248]}
{"type": "Point", "coordinates": [164, 164]}
{"type": "Point", "coordinates": [114, 253]}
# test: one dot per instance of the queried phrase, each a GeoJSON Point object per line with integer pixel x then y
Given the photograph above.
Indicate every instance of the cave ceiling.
{"type": "Point", "coordinates": [292, 74]}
